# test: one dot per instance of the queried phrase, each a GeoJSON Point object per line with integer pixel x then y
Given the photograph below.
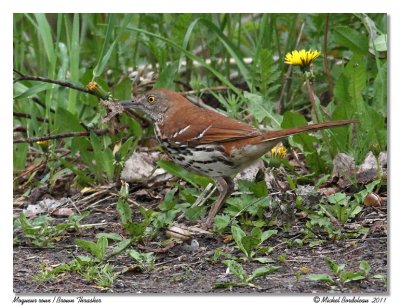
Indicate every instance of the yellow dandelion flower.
{"type": "Point", "coordinates": [98, 91]}
{"type": "Point", "coordinates": [42, 143]}
{"type": "Point", "coordinates": [302, 58]}
{"type": "Point", "coordinates": [91, 86]}
{"type": "Point", "coordinates": [278, 151]}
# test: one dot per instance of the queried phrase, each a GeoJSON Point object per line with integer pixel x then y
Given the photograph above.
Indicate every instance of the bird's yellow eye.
{"type": "Point", "coordinates": [151, 99]}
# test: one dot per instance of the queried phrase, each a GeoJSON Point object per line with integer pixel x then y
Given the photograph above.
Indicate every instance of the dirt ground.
{"type": "Point", "coordinates": [183, 270]}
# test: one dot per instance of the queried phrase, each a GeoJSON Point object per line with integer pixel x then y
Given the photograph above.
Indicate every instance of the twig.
{"type": "Point", "coordinates": [61, 135]}
{"type": "Point", "coordinates": [23, 77]}
{"type": "Point", "coordinates": [28, 116]}
{"type": "Point", "coordinates": [326, 64]}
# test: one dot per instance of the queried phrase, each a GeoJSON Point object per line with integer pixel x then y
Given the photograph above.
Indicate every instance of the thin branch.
{"type": "Point", "coordinates": [23, 77]}
{"type": "Point", "coordinates": [326, 64]}
{"type": "Point", "coordinates": [62, 135]}
{"type": "Point", "coordinates": [28, 116]}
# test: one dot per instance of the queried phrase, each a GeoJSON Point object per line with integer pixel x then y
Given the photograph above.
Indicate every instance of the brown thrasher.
{"type": "Point", "coordinates": [207, 142]}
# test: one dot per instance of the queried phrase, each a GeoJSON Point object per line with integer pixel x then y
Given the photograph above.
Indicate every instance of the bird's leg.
{"type": "Point", "coordinates": [225, 186]}
{"type": "Point", "coordinates": [203, 197]}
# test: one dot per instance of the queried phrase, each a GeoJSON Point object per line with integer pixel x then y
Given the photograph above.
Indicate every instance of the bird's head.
{"type": "Point", "coordinates": [154, 103]}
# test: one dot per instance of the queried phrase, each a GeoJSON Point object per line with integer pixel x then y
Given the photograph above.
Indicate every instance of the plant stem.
{"type": "Point", "coordinates": [311, 93]}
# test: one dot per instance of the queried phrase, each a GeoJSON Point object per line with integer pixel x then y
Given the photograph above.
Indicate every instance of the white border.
{"type": "Point", "coordinates": [125, 6]}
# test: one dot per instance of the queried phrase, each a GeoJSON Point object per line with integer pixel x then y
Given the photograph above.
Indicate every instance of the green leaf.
{"type": "Point", "coordinates": [238, 234]}
{"type": "Point", "coordinates": [195, 213]}
{"type": "Point", "coordinates": [106, 50]}
{"type": "Point", "coordinates": [45, 33]}
{"type": "Point", "coordinates": [122, 245]}
{"type": "Point", "coordinates": [262, 109]}
{"type": "Point", "coordinates": [221, 222]}
{"type": "Point", "coordinates": [236, 269]}
{"type": "Point", "coordinates": [379, 43]}
{"type": "Point", "coordinates": [256, 233]}
{"type": "Point", "coordinates": [336, 268]}
{"type": "Point", "coordinates": [264, 260]}
{"type": "Point", "coordinates": [352, 39]}
{"type": "Point", "coordinates": [97, 249]}
{"type": "Point", "coordinates": [365, 267]}
{"type": "Point", "coordinates": [259, 189]}
{"type": "Point", "coordinates": [135, 230]}
{"type": "Point", "coordinates": [320, 277]}
{"type": "Point", "coordinates": [110, 236]}
{"type": "Point", "coordinates": [267, 234]}
{"type": "Point", "coordinates": [178, 171]}
{"type": "Point", "coordinates": [33, 90]}
{"type": "Point", "coordinates": [356, 73]}
{"type": "Point", "coordinates": [169, 203]}
{"type": "Point", "coordinates": [124, 211]}
{"type": "Point", "coordinates": [249, 243]}
{"type": "Point", "coordinates": [346, 277]}
{"type": "Point", "coordinates": [380, 90]}
{"type": "Point", "coordinates": [262, 271]}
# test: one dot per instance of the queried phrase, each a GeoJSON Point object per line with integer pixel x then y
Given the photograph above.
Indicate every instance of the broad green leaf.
{"type": "Point", "coordinates": [236, 269]}
{"type": "Point", "coordinates": [195, 213]}
{"type": "Point", "coordinates": [221, 222]}
{"type": "Point", "coordinates": [259, 189]}
{"type": "Point", "coordinates": [135, 230]}
{"type": "Point", "coordinates": [249, 243]}
{"type": "Point", "coordinates": [122, 245]}
{"type": "Point", "coordinates": [176, 170]}
{"type": "Point", "coordinates": [379, 43]}
{"type": "Point", "coordinates": [262, 109]}
{"type": "Point", "coordinates": [97, 249]}
{"type": "Point", "coordinates": [320, 277]}
{"type": "Point", "coordinates": [264, 259]}
{"type": "Point", "coordinates": [352, 39]}
{"type": "Point", "coordinates": [262, 271]}
{"type": "Point", "coordinates": [238, 234]}
{"type": "Point", "coordinates": [336, 268]}
{"type": "Point", "coordinates": [346, 277]}
{"type": "Point", "coordinates": [380, 90]}
{"type": "Point", "coordinates": [267, 234]}
{"type": "Point", "coordinates": [356, 73]}
{"type": "Point", "coordinates": [110, 236]}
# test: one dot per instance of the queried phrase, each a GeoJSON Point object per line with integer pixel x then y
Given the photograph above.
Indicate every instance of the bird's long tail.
{"type": "Point", "coordinates": [276, 135]}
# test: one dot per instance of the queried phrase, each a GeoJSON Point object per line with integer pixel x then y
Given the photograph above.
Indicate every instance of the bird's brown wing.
{"type": "Point", "coordinates": [200, 126]}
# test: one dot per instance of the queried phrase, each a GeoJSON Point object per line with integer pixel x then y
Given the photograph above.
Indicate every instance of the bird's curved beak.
{"type": "Point", "coordinates": [128, 103]}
